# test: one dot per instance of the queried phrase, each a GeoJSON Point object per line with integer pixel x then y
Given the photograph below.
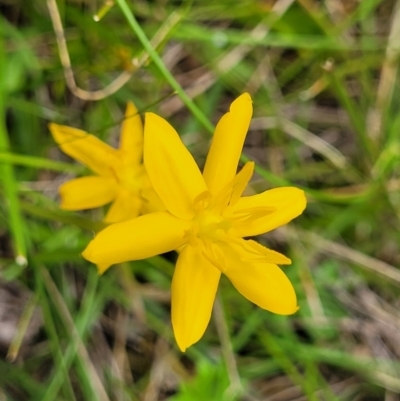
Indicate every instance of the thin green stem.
{"type": "Point", "coordinates": [39, 163]}
{"type": "Point", "coordinates": [7, 176]}
{"type": "Point", "coordinates": [83, 321]}
{"type": "Point", "coordinates": [138, 31]}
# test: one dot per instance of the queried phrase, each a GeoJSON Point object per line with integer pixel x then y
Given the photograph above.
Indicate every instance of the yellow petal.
{"type": "Point", "coordinates": [171, 168]}
{"type": "Point", "coordinates": [131, 141]}
{"type": "Point", "coordinates": [102, 268]}
{"type": "Point", "coordinates": [87, 192]}
{"type": "Point", "coordinates": [194, 286]}
{"type": "Point", "coordinates": [126, 206]}
{"type": "Point", "coordinates": [139, 238]}
{"type": "Point", "coordinates": [227, 143]}
{"type": "Point", "coordinates": [86, 148]}
{"type": "Point", "coordinates": [285, 204]}
{"type": "Point", "coordinates": [151, 202]}
{"type": "Point", "coordinates": [233, 191]}
{"type": "Point", "coordinates": [264, 284]}
{"type": "Point", "coordinates": [240, 182]}
{"type": "Point", "coordinates": [253, 251]}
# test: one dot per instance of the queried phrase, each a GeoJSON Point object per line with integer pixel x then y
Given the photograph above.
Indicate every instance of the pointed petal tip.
{"type": "Point", "coordinates": [299, 196]}
{"type": "Point", "coordinates": [130, 106]}
{"type": "Point", "coordinates": [245, 95]}
{"type": "Point", "coordinates": [296, 192]}
{"type": "Point", "coordinates": [182, 347]}
{"type": "Point", "coordinates": [252, 250]}
{"type": "Point", "coordinates": [248, 168]}
{"type": "Point", "coordinates": [53, 125]}
{"type": "Point", "coordinates": [283, 309]}
{"type": "Point", "coordinates": [242, 100]}
{"type": "Point", "coordinates": [183, 343]}
{"type": "Point", "coordinates": [59, 128]}
{"type": "Point", "coordinates": [88, 255]}
{"type": "Point", "coordinates": [56, 131]}
{"type": "Point", "coordinates": [151, 119]}
{"type": "Point", "coordinates": [151, 116]}
{"type": "Point", "coordinates": [131, 110]}
{"type": "Point", "coordinates": [101, 268]}
{"type": "Point", "coordinates": [285, 261]}
{"type": "Point", "coordinates": [290, 310]}
{"type": "Point", "coordinates": [88, 252]}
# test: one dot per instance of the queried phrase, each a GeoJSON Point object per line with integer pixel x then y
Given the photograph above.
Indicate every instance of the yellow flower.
{"type": "Point", "coordinates": [120, 174]}
{"type": "Point", "coordinates": [206, 219]}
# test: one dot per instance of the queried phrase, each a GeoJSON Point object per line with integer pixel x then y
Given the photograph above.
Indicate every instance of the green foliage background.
{"type": "Point", "coordinates": [323, 76]}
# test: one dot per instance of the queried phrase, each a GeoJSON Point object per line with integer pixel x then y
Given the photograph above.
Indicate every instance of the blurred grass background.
{"type": "Point", "coordinates": [323, 76]}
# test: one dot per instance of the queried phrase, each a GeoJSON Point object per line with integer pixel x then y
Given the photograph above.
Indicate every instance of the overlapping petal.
{"type": "Point", "coordinates": [253, 251]}
{"type": "Point", "coordinates": [264, 284]}
{"type": "Point", "coordinates": [139, 238]}
{"type": "Point", "coordinates": [87, 192]}
{"type": "Point", "coordinates": [227, 143]}
{"type": "Point", "coordinates": [232, 192]}
{"type": "Point", "coordinates": [151, 202]}
{"type": "Point", "coordinates": [171, 168]}
{"type": "Point", "coordinates": [286, 203]}
{"type": "Point", "coordinates": [125, 206]}
{"type": "Point", "coordinates": [131, 140]}
{"type": "Point", "coordinates": [194, 287]}
{"type": "Point", "coordinates": [86, 148]}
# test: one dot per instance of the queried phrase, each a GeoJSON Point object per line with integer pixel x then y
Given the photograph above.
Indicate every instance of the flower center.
{"type": "Point", "coordinates": [211, 226]}
{"type": "Point", "coordinates": [208, 224]}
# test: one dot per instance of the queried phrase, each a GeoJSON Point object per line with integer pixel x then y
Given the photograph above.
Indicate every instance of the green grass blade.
{"type": "Point", "coordinates": [7, 176]}
{"type": "Point", "coordinates": [138, 31]}
{"type": "Point", "coordinates": [39, 163]}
